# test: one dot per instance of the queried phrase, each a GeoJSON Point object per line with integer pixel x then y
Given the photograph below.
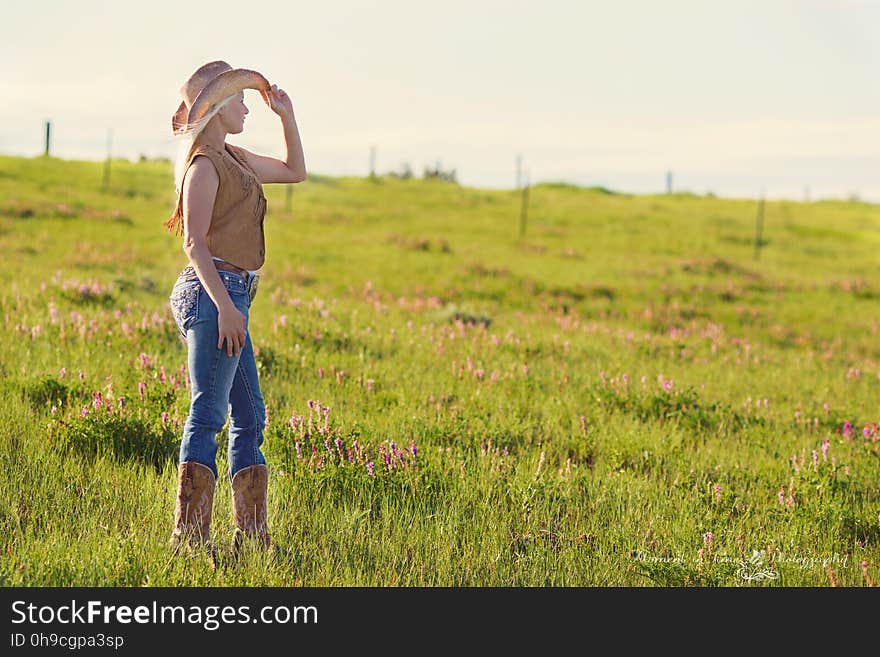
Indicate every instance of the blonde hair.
{"type": "Point", "coordinates": [186, 142]}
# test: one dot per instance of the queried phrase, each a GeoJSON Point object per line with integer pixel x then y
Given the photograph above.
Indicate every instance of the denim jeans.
{"type": "Point", "coordinates": [219, 384]}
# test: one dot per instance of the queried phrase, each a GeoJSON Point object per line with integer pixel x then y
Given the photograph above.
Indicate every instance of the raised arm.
{"type": "Point", "coordinates": [273, 170]}
{"type": "Point", "coordinates": [292, 169]}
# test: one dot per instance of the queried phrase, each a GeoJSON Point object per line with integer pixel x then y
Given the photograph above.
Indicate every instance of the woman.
{"type": "Point", "coordinates": [220, 211]}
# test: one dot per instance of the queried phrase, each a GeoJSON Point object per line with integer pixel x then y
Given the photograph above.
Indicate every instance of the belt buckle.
{"type": "Point", "coordinates": [252, 285]}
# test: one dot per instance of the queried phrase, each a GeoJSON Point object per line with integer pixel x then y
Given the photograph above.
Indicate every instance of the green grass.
{"type": "Point", "coordinates": [587, 403]}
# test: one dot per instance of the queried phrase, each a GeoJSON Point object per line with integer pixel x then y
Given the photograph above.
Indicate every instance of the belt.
{"type": "Point", "coordinates": [225, 266]}
{"type": "Point", "coordinates": [190, 271]}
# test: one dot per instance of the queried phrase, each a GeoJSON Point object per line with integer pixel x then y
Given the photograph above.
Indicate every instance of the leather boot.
{"type": "Point", "coordinates": [195, 499]}
{"type": "Point", "coordinates": [249, 486]}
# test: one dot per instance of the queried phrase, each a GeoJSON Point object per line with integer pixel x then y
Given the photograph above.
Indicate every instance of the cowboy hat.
{"type": "Point", "coordinates": [210, 84]}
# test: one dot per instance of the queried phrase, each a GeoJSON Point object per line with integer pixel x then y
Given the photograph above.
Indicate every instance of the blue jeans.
{"type": "Point", "coordinates": [219, 383]}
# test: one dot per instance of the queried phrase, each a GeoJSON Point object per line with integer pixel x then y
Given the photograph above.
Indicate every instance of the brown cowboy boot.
{"type": "Point", "coordinates": [249, 486]}
{"type": "Point", "coordinates": [195, 499]}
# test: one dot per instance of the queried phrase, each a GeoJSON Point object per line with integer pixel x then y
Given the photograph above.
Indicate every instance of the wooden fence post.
{"type": "Point", "coordinates": [109, 157]}
{"type": "Point", "coordinates": [524, 209]}
{"type": "Point", "coordinates": [759, 227]}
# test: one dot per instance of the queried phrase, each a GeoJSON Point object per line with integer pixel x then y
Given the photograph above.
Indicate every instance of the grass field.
{"type": "Point", "coordinates": [624, 396]}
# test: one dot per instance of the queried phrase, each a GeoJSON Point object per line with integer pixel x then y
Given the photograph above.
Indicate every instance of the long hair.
{"type": "Point", "coordinates": [186, 142]}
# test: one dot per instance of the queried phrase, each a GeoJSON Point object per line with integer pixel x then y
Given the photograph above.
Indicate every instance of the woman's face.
{"type": "Point", "coordinates": [233, 113]}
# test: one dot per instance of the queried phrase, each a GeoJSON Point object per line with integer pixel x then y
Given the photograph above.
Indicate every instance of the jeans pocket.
{"type": "Point", "coordinates": [184, 301]}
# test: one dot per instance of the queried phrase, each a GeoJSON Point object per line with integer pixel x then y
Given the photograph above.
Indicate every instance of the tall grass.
{"type": "Point", "coordinates": [623, 397]}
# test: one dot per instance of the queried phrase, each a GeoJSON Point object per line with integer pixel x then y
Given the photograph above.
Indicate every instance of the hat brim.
{"type": "Point", "coordinates": [221, 87]}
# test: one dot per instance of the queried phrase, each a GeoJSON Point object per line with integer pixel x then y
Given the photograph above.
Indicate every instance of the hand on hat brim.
{"type": "Point", "coordinates": [278, 101]}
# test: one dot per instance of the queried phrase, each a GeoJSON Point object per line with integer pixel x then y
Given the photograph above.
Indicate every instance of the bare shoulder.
{"type": "Point", "coordinates": [202, 172]}
{"type": "Point", "coordinates": [200, 187]}
{"type": "Point", "coordinates": [200, 184]}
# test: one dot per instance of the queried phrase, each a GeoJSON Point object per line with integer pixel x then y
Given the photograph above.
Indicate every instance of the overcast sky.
{"type": "Point", "coordinates": [733, 97]}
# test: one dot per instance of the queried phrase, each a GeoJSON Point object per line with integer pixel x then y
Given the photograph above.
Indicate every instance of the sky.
{"type": "Point", "coordinates": [773, 97]}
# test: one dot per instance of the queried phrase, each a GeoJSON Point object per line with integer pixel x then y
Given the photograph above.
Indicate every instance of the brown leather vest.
{"type": "Point", "coordinates": [236, 231]}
